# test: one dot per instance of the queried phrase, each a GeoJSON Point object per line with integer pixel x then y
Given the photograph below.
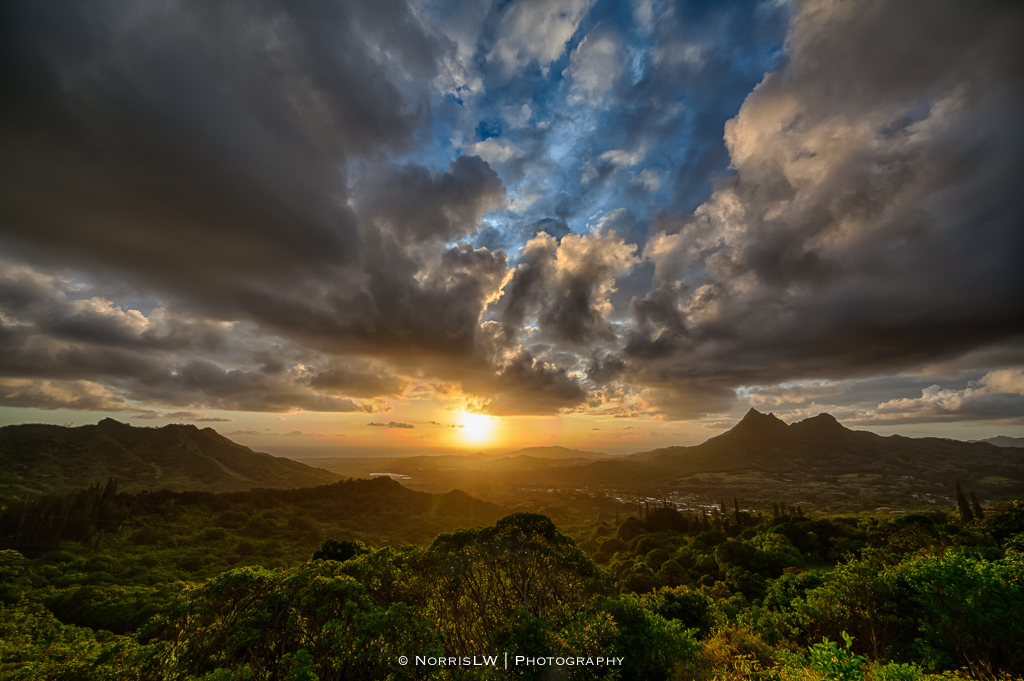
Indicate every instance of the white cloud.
{"type": "Point", "coordinates": [643, 15]}
{"type": "Point", "coordinates": [535, 30]}
{"type": "Point", "coordinates": [996, 395]}
{"type": "Point", "coordinates": [517, 116]}
{"type": "Point", "coordinates": [617, 219]}
{"type": "Point", "coordinates": [494, 150]}
{"type": "Point", "coordinates": [521, 200]}
{"type": "Point", "coordinates": [1004, 382]}
{"type": "Point", "coordinates": [596, 64]}
{"type": "Point", "coordinates": [649, 179]}
{"type": "Point", "coordinates": [620, 157]}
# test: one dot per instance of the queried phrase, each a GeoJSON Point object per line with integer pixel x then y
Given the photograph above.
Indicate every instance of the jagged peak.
{"type": "Point", "coordinates": [754, 416]}
{"type": "Point", "coordinates": [758, 424]}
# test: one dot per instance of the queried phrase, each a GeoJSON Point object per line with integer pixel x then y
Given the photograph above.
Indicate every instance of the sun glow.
{"type": "Point", "coordinates": [477, 429]}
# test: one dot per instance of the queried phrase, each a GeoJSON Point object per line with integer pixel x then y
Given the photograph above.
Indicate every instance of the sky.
{"type": "Point", "coordinates": [383, 226]}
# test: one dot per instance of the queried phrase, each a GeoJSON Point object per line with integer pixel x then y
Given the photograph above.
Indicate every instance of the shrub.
{"type": "Point", "coordinates": [835, 663]}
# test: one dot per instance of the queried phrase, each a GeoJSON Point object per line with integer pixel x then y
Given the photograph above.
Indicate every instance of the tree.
{"type": "Point", "coordinates": [650, 644]}
{"type": "Point", "coordinates": [961, 502]}
{"type": "Point", "coordinates": [481, 576]}
{"type": "Point", "coordinates": [314, 623]}
{"type": "Point", "coordinates": [340, 550]}
{"type": "Point", "coordinates": [980, 514]}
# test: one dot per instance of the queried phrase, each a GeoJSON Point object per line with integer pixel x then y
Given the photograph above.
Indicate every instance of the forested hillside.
{"type": "Point", "coordinates": [36, 458]}
{"type": "Point", "coordinates": [817, 462]}
{"type": "Point", "coordinates": [277, 584]}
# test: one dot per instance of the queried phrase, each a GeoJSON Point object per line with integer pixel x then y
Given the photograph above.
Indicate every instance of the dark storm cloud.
{"type": "Point", "coordinates": [410, 202]}
{"type": "Point", "coordinates": [369, 382]}
{"type": "Point", "coordinates": [203, 149]}
{"type": "Point", "coordinates": [214, 135]}
{"type": "Point", "coordinates": [202, 383]}
{"type": "Point", "coordinates": [428, 307]}
{"type": "Point", "coordinates": [604, 368]}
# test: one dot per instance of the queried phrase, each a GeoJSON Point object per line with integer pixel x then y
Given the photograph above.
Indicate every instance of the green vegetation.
{"type": "Point", "coordinates": [45, 459]}
{"type": "Point", "coordinates": [340, 581]}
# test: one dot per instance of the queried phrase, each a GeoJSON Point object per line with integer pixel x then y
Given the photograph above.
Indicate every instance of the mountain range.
{"type": "Point", "coordinates": [37, 458]}
{"type": "Point", "coordinates": [817, 462]}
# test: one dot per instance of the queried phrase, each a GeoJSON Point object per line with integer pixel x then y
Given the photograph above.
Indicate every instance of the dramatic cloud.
{"type": "Point", "coordinates": [852, 238]}
{"type": "Point", "coordinates": [564, 286]}
{"type": "Point", "coordinates": [532, 207]}
{"type": "Point", "coordinates": [215, 137]}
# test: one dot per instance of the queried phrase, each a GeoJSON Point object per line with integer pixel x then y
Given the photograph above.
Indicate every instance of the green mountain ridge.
{"type": "Point", "coordinates": [38, 458]}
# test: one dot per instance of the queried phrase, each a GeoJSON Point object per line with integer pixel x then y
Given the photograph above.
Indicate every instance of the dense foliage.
{"type": "Point", "coordinates": [726, 594]}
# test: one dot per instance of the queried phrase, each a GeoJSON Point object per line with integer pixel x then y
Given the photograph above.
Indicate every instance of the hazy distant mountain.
{"type": "Point", "coordinates": [557, 453]}
{"type": "Point", "coordinates": [47, 458]}
{"type": "Point", "coordinates": [474, 473]}
{"type": "Point", "coordinates": [1004, 441]}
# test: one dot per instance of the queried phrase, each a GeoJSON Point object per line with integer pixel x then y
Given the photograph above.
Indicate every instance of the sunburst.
{"type": "Point", "coordinates": [477, 429]}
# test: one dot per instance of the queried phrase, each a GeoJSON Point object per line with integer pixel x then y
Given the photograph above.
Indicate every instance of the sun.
{"type": "Point", "coordinates": [476, 429]}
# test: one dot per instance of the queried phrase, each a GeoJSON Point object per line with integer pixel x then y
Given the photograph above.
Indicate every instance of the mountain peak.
{"type": "Point", "coordinates": [821, 424]}
{"type": "Point", "coordinates": [109, 423]}
{"type": "Point", "coordinates": [754, 416]}
{"type": "Point", "coordinates": [756, 424]}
